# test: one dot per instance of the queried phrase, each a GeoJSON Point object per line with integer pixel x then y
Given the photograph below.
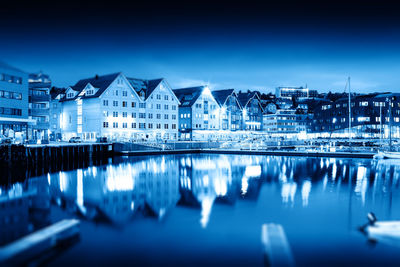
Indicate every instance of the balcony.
{"type": "Point", "coordinates": [39, 98]}
{"type": "Point", "coordinates": [39, 112]}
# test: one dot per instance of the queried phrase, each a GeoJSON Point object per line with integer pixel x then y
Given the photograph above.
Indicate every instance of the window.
{"type": "Point", "coordinates": [124, 104]}
{"type": "Point", "coordinates": [115, 114]}
{"type": "Point", "coordinates": [70, 95]}
{"type": "Point", "coordinates": [105, 102]}
{"type": "Point", "coordinates": [173, 126]}
{"type": "Point", "coordinates": [116, 92]}
{"type": "Point", "coordinates": [158, 116]}
{"type": "Point", "coordinates": [165, 116]}
{"type": "Point", "coordinates": [115, 124]}
{"type": "Point", "coordinates": [166, 97]}
{"type": "Point", "coordinates": [142, 125]}
{"type": "Point", "coordinates": [173, 107]}
{"type": "Point", "coordinates": [105, 113]}
{"type": "Point", "coordinates": [158, 96]}
{"type": "Point", "coordinates": [125, 114]}
{"type": "Point", "coordinates": [142, 105]}
{"type": "Point", "coordinates": [158, 106]}
{"type": "Point", "coordinates": [133, 125]}
{"type": "Point", "coordinates": [150, 115]}
{"type": "Point", "coordinates": [105, 124]}
{"type": "Point", "coordinates": [364, 104]}
{"type": "Point", "coordinates": [182, 116]}
{"type": "Point", "coordinates": [125, 93]}
{"type": "Point", "coordinates": [166, 107]}
{"type": "Point", "coordinates": [166, 126]}
{"type": "Point", "coordinates": [115, 103]}
{"type": "Point", "coordinates": [174, 117]}
{"type": "Point", "coordinates": [133, 104]}
{"type": "Point", "coordinates": [150, 126]}
{"type": "Point", "coordinates": [142, 115]}
{"type": "Point", "coordinates": [158, 125]}
{"type": "Point", "coordinates": [133, 115]}
{"type": "Point", "coordinates": [124, 125]}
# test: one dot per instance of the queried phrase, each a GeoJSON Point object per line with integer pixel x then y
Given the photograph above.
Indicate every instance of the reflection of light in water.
{"type": "Point", "coordinates": [48, 180]}
{"type": "Point", "coordinates": [321, 164]}
{"type": "Point", "coordinates": [63, 181]}
{"type": "Point", "coordinates": [205, 180]}
{"type": "Point", "coordinates": [253, 171]}
{"type": "Point", "coordinates": [288, 190]}
{"type": "Point", "coordinates": [132, 205]}
{"type": "Point", "coordinates": [245, 185]}
{"type": "Point", "coordinates": [334, 171]}
{"type": "Point", "coordinates": [79, 190]}
{"type": "Point", "coordinates": [183, 162]}
{"type": "Point", "coordinates": [220, 186]}
{"type": "Point", "coordinates": [120, 178]}
{"type": "Point", "coordinates": [163, 164]}
{"type": "Point", "coordinates": [206, 205]}
{"type": "Point", "coordinates": [324, 182]}
{"type": "Point", "coordinates": [305, 192]}
{"type": "Point", "coordinates": [204, 164]}
{"type": "Point", "coordinates": [344, 172]}
{"type": "Point", "coordinates": [361, 183]}
{"type": "Point", "coordinates": [15, 191]}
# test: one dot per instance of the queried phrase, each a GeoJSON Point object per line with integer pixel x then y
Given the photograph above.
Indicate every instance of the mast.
{"type": "Point", "coordinates": [349, 114]}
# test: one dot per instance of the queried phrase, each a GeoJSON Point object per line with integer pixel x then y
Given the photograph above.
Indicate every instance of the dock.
{"type": "Point", "coordinates": [276, 247]}
{"type": "Point", "coordinates": [41, 241]}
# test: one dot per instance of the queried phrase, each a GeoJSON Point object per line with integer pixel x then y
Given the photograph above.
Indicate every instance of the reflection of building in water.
{"type": "Point", "coordinates": [119, 191]}
{"type": "Point", "coordinates": [210, 179]}
{"type": "Point", "coordinates": [23, 208]}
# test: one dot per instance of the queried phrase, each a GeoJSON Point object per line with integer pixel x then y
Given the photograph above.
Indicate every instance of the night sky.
{"type": "Point", "coordinates": [228, 44]}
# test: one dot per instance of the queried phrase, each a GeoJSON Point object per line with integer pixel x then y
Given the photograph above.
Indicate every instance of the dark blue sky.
{"type": "Point", "coordinates": [226, 44]}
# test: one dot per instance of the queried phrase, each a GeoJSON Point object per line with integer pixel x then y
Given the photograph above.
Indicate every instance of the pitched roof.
{"type": "Point", "coordinates": [148, 86]}
{"type": "Point", "coordinates": [101, 83]}
{"type": "Point", "coordinates": [221, 95]}
{"type": "Point", "coordinates": [188, 96]}
{"type": "Point", "coordinates": [245, 97]}
{"type": "Point", "coordinates": [55, 91]}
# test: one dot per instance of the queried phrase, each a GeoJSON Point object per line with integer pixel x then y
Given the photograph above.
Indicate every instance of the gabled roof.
{"type": "Point", "coordinates": [188, 96]}
{"type": "Point", "coordinates": [55, 91]}
{"type": "Point", "coordinates": [101, 83]}
{"type": "Point", "coordinates": [148, 86]}
{"type": "Point", "coordinates": [221, 95]}
{"type": "Point", "coordinates": [244, 98]}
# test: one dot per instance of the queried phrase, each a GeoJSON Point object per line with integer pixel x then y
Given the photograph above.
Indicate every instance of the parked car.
{"type": "Point", "coordinates": [75, 139]}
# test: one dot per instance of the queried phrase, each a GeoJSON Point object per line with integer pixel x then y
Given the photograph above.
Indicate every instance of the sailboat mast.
{"type": "Point", "coordinates": [349, 114]}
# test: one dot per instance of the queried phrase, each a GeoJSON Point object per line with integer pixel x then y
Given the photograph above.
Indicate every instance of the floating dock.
{"type": "Point", "coordinates": [276, 247]}
{"type": "Point", "coordinates": [34, 244]}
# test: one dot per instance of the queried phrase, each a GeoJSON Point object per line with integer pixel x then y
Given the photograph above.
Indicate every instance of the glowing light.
{"type": "Point", "coordinates": [120, 179]}
{"type": "Point", "coordinates": [206, 91]}
{"type": "Point", "coordinates": [334, 120]}
{"type": "Point", "coordinates": [245, 185]}
{"type": "Point", "coordinates": [223, 109]}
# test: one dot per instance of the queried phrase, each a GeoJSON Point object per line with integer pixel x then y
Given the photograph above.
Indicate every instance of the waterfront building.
{"type": "Point", "coordinates": [198, 113]}
{"type": "Point", "coordinates": [39, 104]}
{"type": "Point", "coordinates": [281, 123]}
{"type": "Point", "coordinates": [371, 116]}
{"type": "Point", "coordinates": [297, 92]}
{"type": "Point", "coordinates": [55, 113]}
{"type": "Point", "coordinates": [14, 120]}
{"type": "Point", "coordinates": [252, 111]}
{"type": "Point", "coordinates": [120, 108]}
{"type": "Point", "coordinates": [230, 112]}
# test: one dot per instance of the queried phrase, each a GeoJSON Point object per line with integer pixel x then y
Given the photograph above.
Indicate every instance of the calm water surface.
{"type": "Point", "coordinates": [209, 209]}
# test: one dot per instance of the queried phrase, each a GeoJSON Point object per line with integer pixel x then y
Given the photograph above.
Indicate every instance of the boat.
{"type": "Point", "coordinates": [382, 231]}
{"type": "Point", "coordinates": [387, 155]}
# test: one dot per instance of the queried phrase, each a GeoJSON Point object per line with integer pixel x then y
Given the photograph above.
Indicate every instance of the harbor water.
{"type": "Point", "coordinates": [196, 209]}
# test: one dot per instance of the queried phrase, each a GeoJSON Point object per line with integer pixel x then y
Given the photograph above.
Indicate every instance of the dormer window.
{"type": "Point", "coordinates": [70, 95]}
{"type": "Point", "coordinates": [90, 92]}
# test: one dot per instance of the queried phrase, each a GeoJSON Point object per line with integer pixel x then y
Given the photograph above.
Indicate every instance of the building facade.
{"type": "Point", "coordinates": [252, 111]}
{"type": "Point", "coordinates": [231, 111]}
{"type": "Point", "coordinates": [372, 116]}
{"type": "Point", "coordinates": [39, 104]}
{"type": "Point", "coordinates": [119, 108]}
{"type": "Point", "coordinates": [297, 92]}
{"type": "Point", "coordinates": [14, 120]}
{"type": "Point", "coordinates": [198, 113]}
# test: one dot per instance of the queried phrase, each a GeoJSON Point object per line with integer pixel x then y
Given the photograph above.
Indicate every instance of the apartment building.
{"type": "Point", "coordinates": [39, 104]}
{"type": "Point", "coordinates": [14, 120]}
